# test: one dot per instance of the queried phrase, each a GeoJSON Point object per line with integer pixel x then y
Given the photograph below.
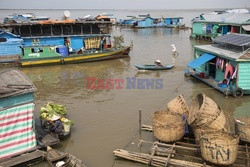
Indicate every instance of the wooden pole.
{"type": "Point", "coordinates": [140, 121]}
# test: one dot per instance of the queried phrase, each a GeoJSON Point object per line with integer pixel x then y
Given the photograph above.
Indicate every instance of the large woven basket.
{"type": "Point", "coordinates": [203, 111]}
{"type": "Point", "coordinates": [221, 122]}
{"type": "Point", "coordinates": [168, 127]}
{"type": "Point", "coordinates": [242, 128]}
{"type": "Point", "coordinates": [219, 148]}
{"type": "Point", "coordinates": [198, 132]}
{"type": "Point", "coordinates": [178, 105]}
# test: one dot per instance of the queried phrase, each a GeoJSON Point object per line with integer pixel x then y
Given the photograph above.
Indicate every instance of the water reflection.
{"type": "Point", "coordinates": [71, 79]}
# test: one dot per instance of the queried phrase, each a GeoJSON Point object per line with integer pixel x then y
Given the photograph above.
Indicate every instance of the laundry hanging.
{"type": "Point", "coordinates": [229, 71]}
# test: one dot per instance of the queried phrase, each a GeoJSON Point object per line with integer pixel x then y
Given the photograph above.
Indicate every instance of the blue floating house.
{"type": "Point", "coordinates": [148, 22]}
{"type": "Point", "coordinates": [9, 46]}
{"type": "Point", "coordinates": [72, 34]}
{"type": "Point", "coordinates": [128, 21]}
{"type": "Point", "coordinates": [224, 65]}
{"type": "Point", "coordinates": [28, 17]}
{"type": "Point", "coordinates": [208, 26]}
{"type": "Point", "coordinates": [16, 114]}
{"type": "Point", "coordinates": [173, 22]}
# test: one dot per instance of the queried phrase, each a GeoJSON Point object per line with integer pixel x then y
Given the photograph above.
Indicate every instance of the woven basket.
{"type": "Point", "coordinates": [242, 128]}
{"type": "Point", "coordinates": [178, 105]}
{"type": "Point", "coordinates": [198, 132]}
{"type": "Point", "coordinates": [221, 122]}
{"type": "Point", "coordinates": [168, 127]}
{"type": "Point", "coordinates": [203, 111]}
{"type": "Point", "coordinates": [219, 148]}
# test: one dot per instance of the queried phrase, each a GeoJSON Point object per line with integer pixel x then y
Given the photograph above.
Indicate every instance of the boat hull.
{"type": "Point", "coordinates": [153, 67]}
{"type": "Point", "coordinates": [77, 58]}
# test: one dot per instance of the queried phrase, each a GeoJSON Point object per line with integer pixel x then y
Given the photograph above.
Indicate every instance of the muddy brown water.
{"type": "Point", "coordinates": [107, 119]}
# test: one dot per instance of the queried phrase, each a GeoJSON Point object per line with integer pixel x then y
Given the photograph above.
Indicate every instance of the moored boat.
{"type": "Point", "coordinates": [57, 158]}
{"type": "Point", "coordinates": [49, 55]}
{"type": "Point", "coordinates": [153, 67]}
{"type": "Point", "coordinates": [157, 64]}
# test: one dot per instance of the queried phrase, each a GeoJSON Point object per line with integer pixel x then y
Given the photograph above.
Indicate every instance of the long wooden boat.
{"type": "Point", "coordinates": [57, 158]}
{"type": "Point", "coordinates": [153, 67]}
{"type": "Point", "coordinates": [49, 55]}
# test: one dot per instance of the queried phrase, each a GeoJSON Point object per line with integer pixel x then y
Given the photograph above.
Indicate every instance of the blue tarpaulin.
{"type": "Point", "coordinates": [201, 60]}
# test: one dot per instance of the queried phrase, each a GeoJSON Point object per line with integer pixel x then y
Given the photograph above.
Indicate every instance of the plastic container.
{"type": "Point", "coordinates": [63, 51]}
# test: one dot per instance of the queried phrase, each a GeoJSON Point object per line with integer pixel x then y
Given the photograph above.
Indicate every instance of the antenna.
{"type": "Point", "coordinates": [66, 14]}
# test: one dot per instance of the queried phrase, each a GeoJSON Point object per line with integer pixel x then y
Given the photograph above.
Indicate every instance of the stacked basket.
{"type": "Point", "coordinates": [169, 125]}
{"type": "Point", "coordinates": [212, 131]}
{"type": "Point", "coordinates": [205, 114]}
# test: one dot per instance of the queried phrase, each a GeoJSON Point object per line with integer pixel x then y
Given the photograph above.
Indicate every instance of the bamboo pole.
{"type": "Point", "coordinates": [167, 145]}
{"type": "Point", "coordinates": [140, 121]}
{"type": "Point", "coordinates": [156, 160]}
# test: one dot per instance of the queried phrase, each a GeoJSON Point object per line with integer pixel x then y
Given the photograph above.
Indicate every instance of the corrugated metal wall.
{"type": "Point", "coordinates": [44, 41]}
{"type": "Point", "coordinates": [244, 75]}
{"type": "Point", "coordinates": [197, 29]}
{"type": "Point", "coordinates": [76, 43]}
{"type": "Point", "coordinates": [9, 49]}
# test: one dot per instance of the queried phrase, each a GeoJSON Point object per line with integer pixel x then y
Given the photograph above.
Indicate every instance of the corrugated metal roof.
{"type": "Point", "coordinates": [201, 60]}
{"type": "Point", "coordinates": [234, 39]}
{"type": "Point", "coordinates": [14, 82]}
{"type": "Point", "coordinates": [235, 18]}
{"type": "Point", "coordinates": [2, 32]}
{"type": "Point", "coordinates": [220, 52]}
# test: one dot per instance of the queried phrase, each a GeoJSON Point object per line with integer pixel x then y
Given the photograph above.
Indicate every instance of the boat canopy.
{"type": "Point", "coordinates": [201, 60]}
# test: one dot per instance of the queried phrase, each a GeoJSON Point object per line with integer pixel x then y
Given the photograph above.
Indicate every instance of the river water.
{"type": "Point", "coordinates": [107, 119]}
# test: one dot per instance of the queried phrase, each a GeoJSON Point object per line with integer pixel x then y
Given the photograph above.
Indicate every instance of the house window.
{"type": "Point", "coordinates": [36, 50]}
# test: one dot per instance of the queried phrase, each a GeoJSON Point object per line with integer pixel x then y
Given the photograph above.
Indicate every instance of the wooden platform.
{"type": "Point", "coordinates": [181, 153]}
{"type": "Point", "coordinates": [24, 159]}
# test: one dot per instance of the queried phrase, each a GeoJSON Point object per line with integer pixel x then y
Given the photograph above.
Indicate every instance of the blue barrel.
{"type": "Point", "coordinates": [63, 51]}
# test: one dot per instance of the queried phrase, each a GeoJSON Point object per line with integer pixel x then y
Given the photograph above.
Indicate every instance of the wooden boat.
{"type": "Point", "coordinates": [46, 126]}
{"type": "Point", "coordinates": [153, 67]}
{"type": "Point", "coordinates": [49, 55]}
{"type": "Point", "coordinates": [57, 158]}
{"type": "Point", "coordinates": [157, 64]}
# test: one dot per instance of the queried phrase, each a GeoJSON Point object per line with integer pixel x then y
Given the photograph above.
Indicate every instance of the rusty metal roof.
{"type": "Point", "coordinates": [14, 82]}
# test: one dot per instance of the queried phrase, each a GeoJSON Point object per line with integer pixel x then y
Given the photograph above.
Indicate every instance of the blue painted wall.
{"type": "Point", "coordinates": [11, 46]}
{"type": "Point", "coordinates": [148, 22]}
{"type": "Point", "coordinates": [44, 41]}
{"type": "Point", "coordinates": [128, 22]}
{"type": "Point", "coordinates": [76, 43]}
{"type": "Point", "coordinates": [16, 100]}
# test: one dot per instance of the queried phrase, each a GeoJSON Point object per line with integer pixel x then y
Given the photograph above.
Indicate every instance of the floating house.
{"type": "Point", "coordinates": [224, 65]}
{"type": "Point", "coordinates": [129, 21]}
{"type": "Point", "coordinates": [28, 17]}
{"type": "Point", "coordinates": [146, 21]}
{"type": "Point", "coordinates": [173, 22]}
{"type": "Point", "coordinates": [70, 33]}
{"type": "Point", "coordinates": [208, 26]}
{"type": "Point", "coordinates": [17, 134]}
{"type": "Point", "coordinates": [9, 46]}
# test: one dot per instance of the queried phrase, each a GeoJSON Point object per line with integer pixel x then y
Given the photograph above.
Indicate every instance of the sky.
{"type": "Point", "coordinates": [123, 4]}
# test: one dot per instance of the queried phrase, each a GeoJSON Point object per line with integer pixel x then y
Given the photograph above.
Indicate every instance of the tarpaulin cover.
{"type": "Point", "coordinates": [16, 130]}
{"type": "Point", "coordinates": [201, 60]}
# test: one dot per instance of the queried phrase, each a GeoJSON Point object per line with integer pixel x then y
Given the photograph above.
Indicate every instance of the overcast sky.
{"type": "Point", "coordinates": [122, 4]}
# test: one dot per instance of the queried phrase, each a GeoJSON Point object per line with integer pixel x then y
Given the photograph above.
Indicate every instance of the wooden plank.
{"type": "Point", "coordinates": [50, 140]}
{"type": "Point", "coordinates": [24, 158]}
